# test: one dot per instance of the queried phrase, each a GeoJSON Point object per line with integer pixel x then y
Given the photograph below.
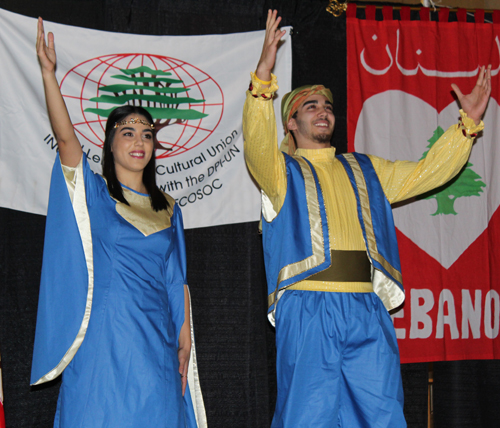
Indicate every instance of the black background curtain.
{"type": "Point", "coordinates": [235, 343]}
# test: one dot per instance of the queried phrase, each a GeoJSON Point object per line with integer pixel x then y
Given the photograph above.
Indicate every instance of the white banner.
{"type": "Point", "coordinates": [194, 85]}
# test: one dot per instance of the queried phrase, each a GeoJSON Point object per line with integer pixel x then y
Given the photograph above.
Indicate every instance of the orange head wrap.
{"type": "Point", "coordinates": [290, 104]}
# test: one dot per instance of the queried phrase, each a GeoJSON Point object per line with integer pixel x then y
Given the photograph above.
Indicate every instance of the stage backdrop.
{"type": "Point", "coordinates": [194, 87]}
{"type": "Point", "coordinates": [399, 102]}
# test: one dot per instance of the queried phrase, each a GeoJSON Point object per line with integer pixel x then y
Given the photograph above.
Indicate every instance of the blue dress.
{"type": "Point", "coordinates": [111, 309]}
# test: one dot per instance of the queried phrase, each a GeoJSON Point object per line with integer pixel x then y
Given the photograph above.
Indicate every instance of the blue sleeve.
{"type": "Point", "coordinates": [63, 284]}
{"type": "Point", "coordinates": [176, 271]}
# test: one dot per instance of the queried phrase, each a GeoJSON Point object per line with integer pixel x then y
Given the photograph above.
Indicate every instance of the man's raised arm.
{"type": "Point", "coordinates": [264, 160]}
{"type": "Point", "coordinates": [402, 179]}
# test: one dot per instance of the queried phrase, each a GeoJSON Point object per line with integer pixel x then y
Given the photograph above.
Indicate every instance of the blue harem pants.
{"type": "Point", "coordinates": [337, 362]}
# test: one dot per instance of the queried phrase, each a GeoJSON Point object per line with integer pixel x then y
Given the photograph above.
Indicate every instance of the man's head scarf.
{"type": "Point", "coordinates": [290, 104]}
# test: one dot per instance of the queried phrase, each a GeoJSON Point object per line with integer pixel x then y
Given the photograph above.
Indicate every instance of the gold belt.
{"type": "Point", "coordinates": [347, 266]}
{"type": "Point", "coordinates": [350, 272]}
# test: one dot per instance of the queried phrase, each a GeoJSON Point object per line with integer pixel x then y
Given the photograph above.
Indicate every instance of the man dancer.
{"type": "Point", "coordinates": [330, 249]}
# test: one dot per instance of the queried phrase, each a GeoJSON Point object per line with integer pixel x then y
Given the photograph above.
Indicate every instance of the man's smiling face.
{"type": "Point", "coordinates": [312, 124]}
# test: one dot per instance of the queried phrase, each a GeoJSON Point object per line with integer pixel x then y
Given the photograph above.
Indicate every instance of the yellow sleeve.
{"type": "Point", "coordinates": [264, 160]}
{"type": "Point", "coordinates": [404, 179]}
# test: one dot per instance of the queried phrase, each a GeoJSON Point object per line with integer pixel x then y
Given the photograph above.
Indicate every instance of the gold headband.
{"type": "Point", "coordinates": [134, 120]}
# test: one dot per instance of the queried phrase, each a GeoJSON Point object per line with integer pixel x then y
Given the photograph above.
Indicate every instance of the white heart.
{"type": "Point", "coordinates": [396, 125]}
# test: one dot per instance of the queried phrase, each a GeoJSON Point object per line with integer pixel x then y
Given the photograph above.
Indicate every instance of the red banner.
{"type": "Point", "coordinates": [399, 102]}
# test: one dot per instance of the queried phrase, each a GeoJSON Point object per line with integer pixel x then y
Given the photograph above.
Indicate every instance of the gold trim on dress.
{"type": "Point", "coordinates": [140, 214]}
{"type": "Point", "coordinates": [194, 378]}
{"type": "Point", "coordinates": [79, 201]}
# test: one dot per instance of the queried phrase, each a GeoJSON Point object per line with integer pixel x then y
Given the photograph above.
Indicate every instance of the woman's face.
{"type": "Point", "coordinates": [132, 145]}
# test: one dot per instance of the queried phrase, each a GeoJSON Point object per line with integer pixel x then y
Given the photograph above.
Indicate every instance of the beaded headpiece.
{"type": "Point", "coordinates": [134, 120]}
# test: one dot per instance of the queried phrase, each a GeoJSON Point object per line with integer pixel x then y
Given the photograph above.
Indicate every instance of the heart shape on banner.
{"type": "Point", "coordinates": [396, 125]}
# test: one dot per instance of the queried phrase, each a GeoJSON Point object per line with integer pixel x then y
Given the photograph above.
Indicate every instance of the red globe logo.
{"type": "Point", "coordinates": [185, 102]}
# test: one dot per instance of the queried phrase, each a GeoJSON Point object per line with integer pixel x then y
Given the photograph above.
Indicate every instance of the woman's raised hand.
{"type": "Point", "coordinates": [70, 150]}
{"type": "Point", "coordinates": [46, 52]}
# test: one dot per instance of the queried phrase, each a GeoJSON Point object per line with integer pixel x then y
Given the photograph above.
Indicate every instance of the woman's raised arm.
{"type": "Point", "coordinates": [70, 150]}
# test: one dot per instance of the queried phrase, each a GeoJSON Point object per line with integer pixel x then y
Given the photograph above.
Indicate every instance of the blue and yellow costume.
{"type": "Point", "coordinates": [333, 270]}
{"type": "Point", "coordinates": [111, 307]}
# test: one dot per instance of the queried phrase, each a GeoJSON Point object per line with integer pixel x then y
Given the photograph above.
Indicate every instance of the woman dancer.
{"type": "Point", "coordinates": [114, 311]}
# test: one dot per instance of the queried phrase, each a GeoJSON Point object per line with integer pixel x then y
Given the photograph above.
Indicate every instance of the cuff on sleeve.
{"type": "Point", "coordinates": [256, 87]}
{"type": "Point", "coordinates": [469, 128]}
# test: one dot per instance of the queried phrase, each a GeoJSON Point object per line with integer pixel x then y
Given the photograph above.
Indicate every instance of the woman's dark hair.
{"type": "Point", "coordinates": [158, 200]}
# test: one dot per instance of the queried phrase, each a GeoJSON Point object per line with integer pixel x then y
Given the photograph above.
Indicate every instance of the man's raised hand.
{"type": "Point", "coordinates": [474, 104]}
{"type": "Point", "coordinates": [270, 47]}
